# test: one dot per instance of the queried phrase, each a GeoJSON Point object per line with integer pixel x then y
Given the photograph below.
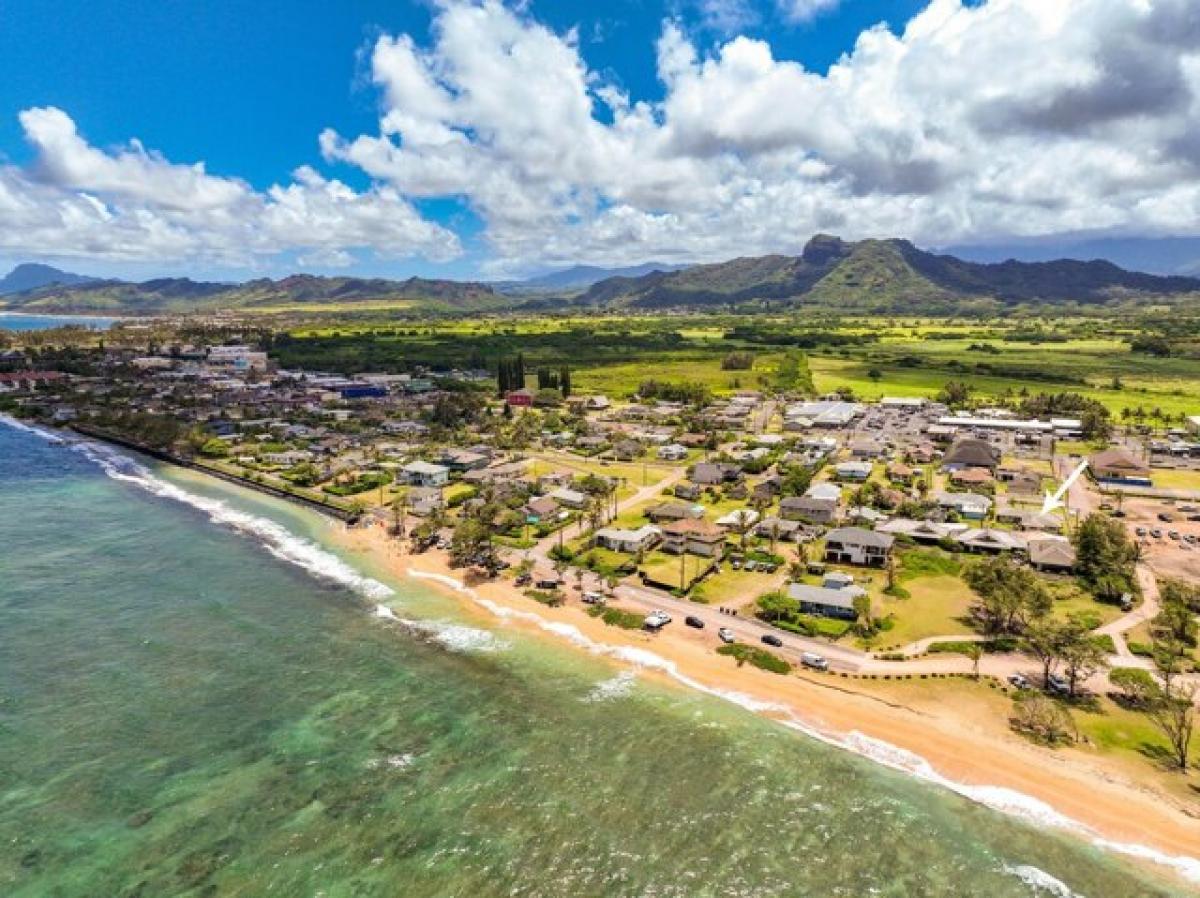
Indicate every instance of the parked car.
{"type": "Point", "coordinates": [1173, 534]}
{"type": "Point", "coordinates": [1156, 533]}
{"type": "Point", "coordinates": [593, 598]}
{"type": "Point", "coordinates": [726, 635]}
{"type": "Point", "coordinates": [1166, 517]}
{"type": "Point", "coordinates": [736, 564]}
{"type": "Point", "coordinates": [1057, 684]}
{"type": "Point", "coordinates": [772, 639]}
{"type": "Point", "coordinates": [815, 661]}
{"type": "Point", "coordinates": [692, 621]}
{"type": "Point", "coordinates": [1020, 681]}
{"type": "Point", "coordinates": [523, 580]}
{"type": "Point", "coordinates": [1189, 538]}
{"type": "Point", "coordinates": [1140, 531]}
{"type": "Point", "coordinates": [750, 566]}
{"type": "Point", "coordinates": [656, 620]}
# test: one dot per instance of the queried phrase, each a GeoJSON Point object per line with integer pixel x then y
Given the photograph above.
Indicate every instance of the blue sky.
{"type": "Point", "coordinates": [248, 88]}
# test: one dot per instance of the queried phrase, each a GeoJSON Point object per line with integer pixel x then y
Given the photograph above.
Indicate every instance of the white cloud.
{"type": "Point", "coordinates": [805, 10]}
{"type": "Point", "coordinates": [1006, 119]}
{"type": "Point", "coordinates": [727, 16]}
{"type": "Point", "coordinates": [1012, 118]}
{"type": "Point", "coordinates": [130, 204]}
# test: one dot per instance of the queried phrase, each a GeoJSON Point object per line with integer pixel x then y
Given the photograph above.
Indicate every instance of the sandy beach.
{"type": "Point", "coordinates": [964, 748]}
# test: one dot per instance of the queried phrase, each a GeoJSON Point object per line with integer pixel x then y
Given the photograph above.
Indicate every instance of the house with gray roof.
{"type": "Point", "coordinates": [857, 545]}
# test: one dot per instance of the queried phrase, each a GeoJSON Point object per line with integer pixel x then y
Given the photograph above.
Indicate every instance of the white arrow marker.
{"type": "Point", "coordinates": [1054, 500]}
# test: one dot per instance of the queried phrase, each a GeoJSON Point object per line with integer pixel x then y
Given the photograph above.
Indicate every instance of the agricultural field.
{"type": "Point", "coordinates": [614, 354]}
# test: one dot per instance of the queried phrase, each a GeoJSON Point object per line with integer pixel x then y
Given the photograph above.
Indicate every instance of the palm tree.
{"type": "Point", "coordinates": [975, 652]}
{"type": "Point", "coordinates": [399, 507]}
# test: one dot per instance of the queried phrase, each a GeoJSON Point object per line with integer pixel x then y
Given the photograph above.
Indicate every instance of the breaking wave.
{"type": "Point", "coordinates": [1006, 801]}
{"type": "Point", "coordinates": [275, 538]}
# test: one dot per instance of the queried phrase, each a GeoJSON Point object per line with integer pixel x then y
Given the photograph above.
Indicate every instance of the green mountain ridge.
{"type": "Point", "coordinates": [892, 274]}
{"type": "Point", "coordinates": [876, 275]}
{"type": "Point", "coordinates": [177, 295]}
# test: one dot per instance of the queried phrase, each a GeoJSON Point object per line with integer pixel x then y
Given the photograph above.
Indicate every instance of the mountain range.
{"type": "Point", "coordinates": [580, 277]}
{"type": "Point", "coordinates": [885, 275]}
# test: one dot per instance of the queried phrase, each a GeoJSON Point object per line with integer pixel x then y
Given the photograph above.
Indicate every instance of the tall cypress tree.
{"type": "Point", "coordinates": [564, 381]}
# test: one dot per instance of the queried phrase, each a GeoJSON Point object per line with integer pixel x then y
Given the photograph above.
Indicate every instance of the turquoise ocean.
{"type": "Point", "coordinates": [199, 697]}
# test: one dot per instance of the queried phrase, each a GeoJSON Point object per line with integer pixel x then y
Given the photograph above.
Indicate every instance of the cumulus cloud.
{"type": "Point", "coordinates": [994, 120]}
{"type": "Point", "coordinates": [131, 204]}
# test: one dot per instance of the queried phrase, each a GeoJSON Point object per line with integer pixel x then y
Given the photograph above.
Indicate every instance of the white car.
{"type": "Point", "coordinates": [726, 635]}
{"type": "Point", "coordinates": [656, 620]}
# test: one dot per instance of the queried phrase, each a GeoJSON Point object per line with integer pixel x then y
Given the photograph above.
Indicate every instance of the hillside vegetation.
{"type": "Point", "coordinates": [892, 276]}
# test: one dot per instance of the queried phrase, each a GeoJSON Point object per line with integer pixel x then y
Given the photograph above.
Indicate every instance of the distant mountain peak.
{"type": "Point", "coordinates": [34, 275]}
{"type": "Point", "coordinates": [889, 273]}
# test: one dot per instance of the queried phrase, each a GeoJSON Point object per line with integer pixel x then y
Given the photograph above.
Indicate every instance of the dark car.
{"type": "Point", "coordinates": [1166, 517]}
{"type": "Point", "coordinates": [693, 621]}
{"type": "Point", "coordinates": [772, 639]}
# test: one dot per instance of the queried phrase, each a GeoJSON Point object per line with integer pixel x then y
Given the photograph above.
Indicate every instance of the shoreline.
{"type": "Point", "coordinates": [1084, 797]}
{"type": "Point", "coordinates": [1087, 797]}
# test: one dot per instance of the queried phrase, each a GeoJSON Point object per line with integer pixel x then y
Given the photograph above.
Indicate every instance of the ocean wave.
{"type": "Point", "coordinates": [1042, 881]}
{"type": "Point", "coordinates": [1007, 801]}
{"type": "Point", "coordinates": [274, 537]}
{"type": "Point", "coordinates": [327, 566]}
{"type": "Point", "coordinates": [614, 687]}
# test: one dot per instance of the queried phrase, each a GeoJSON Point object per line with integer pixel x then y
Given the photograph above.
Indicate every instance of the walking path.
{"type": "Point", "coordinates": [1146, 611]}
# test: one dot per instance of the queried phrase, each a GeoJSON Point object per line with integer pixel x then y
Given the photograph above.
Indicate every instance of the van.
{"type": "Point", "coordinates": [593, 598]}
{"type": "Point", "coordinates": [815, 661]}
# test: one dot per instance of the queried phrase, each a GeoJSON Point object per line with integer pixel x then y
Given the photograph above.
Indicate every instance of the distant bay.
{"type": "Point", "coordinates": [20, 321]}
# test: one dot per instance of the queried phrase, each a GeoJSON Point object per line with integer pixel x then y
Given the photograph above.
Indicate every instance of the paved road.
{"type": "Point", "coordinates": [845, 658]}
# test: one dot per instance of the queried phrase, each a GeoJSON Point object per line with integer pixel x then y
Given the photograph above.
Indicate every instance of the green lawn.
{"type": "Point", "coordinates": [1176, 480]}
{"type": "Point", "coordinates": [669, 569]}
{"type": "Point", "coordinates": [736, 588]}
{"type": "Point", "coordinates": [1070, 599]}
{"type": "Point", "coordinates": [936, 606]}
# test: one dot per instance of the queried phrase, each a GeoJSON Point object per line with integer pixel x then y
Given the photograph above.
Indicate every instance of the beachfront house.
{"type": "Point", "coordinates": [825, 602]}
{"type": "Point", "coordinates": [629, 541]}
{"type": "Point", "coordinates": [1051, 554]}
{"type": "Point", "coordinates": [693, 537]}
{"type": "Point", "coordinates": [857, 545]}
{"type": "Point", "coordinates": [423, 473]}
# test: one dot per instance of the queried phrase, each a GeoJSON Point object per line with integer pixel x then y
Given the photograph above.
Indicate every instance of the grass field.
{"type": "Point", "coordinates": [614, 354]}
{"type": "Point", "coordinates": [1176, 480]}
{"type": "Point", "coordinates": [674, 569]}
{"type": "Point", "coordinates": [937, 606]}
{"type": "Point", "coordinates": [921, 367]}
{"type": "Point", "coordinates": [736, 588]}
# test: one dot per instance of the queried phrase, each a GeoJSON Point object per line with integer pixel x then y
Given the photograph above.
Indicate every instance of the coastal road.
{"type": "Point", "coordinates": [747, 629]}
